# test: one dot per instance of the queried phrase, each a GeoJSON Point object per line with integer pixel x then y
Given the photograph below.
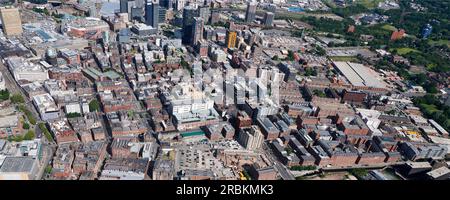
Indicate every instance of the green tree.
{"type": "Point", "coordinates": [48, 169]}
{"type": "Point", "coordinates": [290, 56]}
{"type": "Point", "coordinates": [26, 126]}
{"type": "Point", "coordinates": [94, 105]}
{"type": "Point", "coordinates": [310, 72]}
{"type": "Point", "coordinates": [15, 138]}
{"type": "Point", "coordinates": [29, 135]}
{"type": "Point", "coordinates": [359, 173]}
{"type": "Point", "coordinates": [73, 114]}
{"type": "Point", "coordinates": [130, 113]}
{"type": "Point", "coordinates": [430, 87]}
{"type": "Point", "coordinates": [319, 93]}
{"type": "Point", "coordinates": [4, 95]}
{"type": "Point", "coordinates": [17, 98]}
{"type": "Point", "coordinates": [47, 133]}
{"type": "Point", "coordinates": [349, 10]}
{"type": "Point", "coordinates": [28, 113]}
{"type": "Point", "coordinates": [246, 174]}
{"type": "Point", "coordinates": [320, 51]}
{"type": "Point", "coordinates": [289, 150]}
{"type": "Point", "coordinates": [183, 63]}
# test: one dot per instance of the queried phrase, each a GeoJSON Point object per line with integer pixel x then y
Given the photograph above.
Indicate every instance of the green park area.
{"type": "Point", "coordinates": [369, 3]}
{"type": "Point", "coordinates": [389, 27]}
{"type": "Point", "coordinates": [439, 42]}
{"type": "Point", "coordinates": [404, 50]}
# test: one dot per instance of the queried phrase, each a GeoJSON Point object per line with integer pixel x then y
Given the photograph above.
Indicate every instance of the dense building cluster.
{"type": "Point", "coordinates": [196, 90]}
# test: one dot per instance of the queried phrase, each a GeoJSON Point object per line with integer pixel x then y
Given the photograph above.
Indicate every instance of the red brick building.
{"type": "Point", "coordinates": [243, 120]}
{"type": "Point", "coordinates": [107, 107]}
{"type": "Point", "coordinates": [202, 49]}
{"type": "Point", "coordinates": [120, 148]}
{"type": "Point", "coordinates": [86, 136]}
{"type": "Point", "coordinates": [165, 67]}
{"type": "Point", "coordinates": [263, 173]}
{"type": "Point", "coordinates": [351, 29]}
{"type": "Point", "coordinates": [66, 136]}
{"type": "Point", "coordinates": [353, 97]}
{"type": "Point", "coordinates": [153, 103]}
{"type": "Point", "coordinates": [399, 34]}
{"type": "Point", "coordinates": [71, 75]}
{"type": "Point", "coordinates": [354, 125]}
{"type": "Point", "coordinates": [302, 121]}
{"type": "Point", "coordinates": [134, 131]}
{"type": "Point", "coordinates": [371, 158]}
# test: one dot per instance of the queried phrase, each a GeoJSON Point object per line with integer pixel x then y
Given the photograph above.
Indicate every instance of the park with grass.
{"type": "Point", "coordinates": [404, 50]}
{"type": "Point", "coordinates": [27, 119]}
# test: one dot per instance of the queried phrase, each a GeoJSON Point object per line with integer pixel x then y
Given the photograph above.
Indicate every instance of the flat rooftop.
{"type": "Point", "coordinates": [359, 75]}
{"type": "Point", "coordinates": [442, 171]}
{"type": "Point", "coordinates": [17, 164]}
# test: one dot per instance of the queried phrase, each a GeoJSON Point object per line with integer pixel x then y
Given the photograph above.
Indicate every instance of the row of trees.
{"type": "Point", "coordinates": [4, 95]}
{"type": "Point", "coordinates": [302, 168]}
{"type": "Point", "coordinates": [29, 135]}
{"type": "Point", "coordinates": [413, 21]}
{"type": "Point", "coordinates": [19, 100]}
{"type": "Point", "coordinates": [426, 54]}
{"type": "Point", "coordinates": [417, 79]}
{"type": "Point", "coordinates": [28, 114]}
{"type": "Point", "coordinates": [434, 109]}
{"type": "Point", "coordinates": [46, 132]}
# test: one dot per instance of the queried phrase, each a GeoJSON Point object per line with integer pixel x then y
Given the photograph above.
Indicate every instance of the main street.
{"type": "Point", "coordinates": [14, 88]}
{"type": "Point", "coordinates": [47, 148]}
{"type": "Point", "coordinates": [282, 170]}
{"type": "Point", "coordinates": [47, 155]}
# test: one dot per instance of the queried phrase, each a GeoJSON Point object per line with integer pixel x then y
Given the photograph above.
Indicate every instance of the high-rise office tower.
{"type": "Point", "coordinates": [93, 11]}
{"type": "Point", "coordinates": [204, 12]}
{"type": "Point", "coordinates": [137, 13]}
{"type": "Point", "coordinates": [166, 3]}
{"type": "Point", "coordinates": [251, 12]}
{"type": "Point", "coordinates": [197, 31]}
{"type": "Point", "coordinates": [271, 8]}
{"type": "Point", "coordinates": [105, 37]}
{"type": "Point", "coordinates": [162, 14]}
{"type": "Point", "coordinates": [251, 138]}
{"type": "Point", "coordinates": [231, 39]}
{"type": "Point", "coordinates": [152, 13]}
{"type": "Point", "coordinates": [215, 17]}
{"type": "Point", "coordinates": [189, 12]}
{"type": "Point", "coordinates": [426, 31]}
{"type": "Point", "coordinates": [268, 19]}
{"type": "Point", "coordinates": [139, 3]}
{"type": "Point", "coordinates": [126, 7]}
{"type": "Point", "coordinates": [123, 6]}
{"type": "Point", "coordinates": [179, 4]}
{"type": "Point", "coordinates": [12, 24]}
{"type": "Point", "coordinates": [202, 48]}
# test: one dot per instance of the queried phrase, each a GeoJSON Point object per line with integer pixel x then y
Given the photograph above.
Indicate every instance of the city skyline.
{"type": "Point", "coordinates": [224, 90]}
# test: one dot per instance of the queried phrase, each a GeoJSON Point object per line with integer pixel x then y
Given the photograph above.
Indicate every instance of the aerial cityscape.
{"type": "Point", "coordinates": [225, 90]}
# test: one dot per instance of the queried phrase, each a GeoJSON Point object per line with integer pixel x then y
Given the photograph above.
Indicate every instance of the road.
{"type": "Point", "coordinates": [261, 13]}
{"type": "Point", "coordinates": [372, 166]}
{"type": "Point", "coordinates": [14, 88]}
{"type": "Point", "coordinates": [47, 148]}
{"type": "Point", "coordinates": [47, 155]}
{"type": "Point", "coordinates": [282, 170]}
